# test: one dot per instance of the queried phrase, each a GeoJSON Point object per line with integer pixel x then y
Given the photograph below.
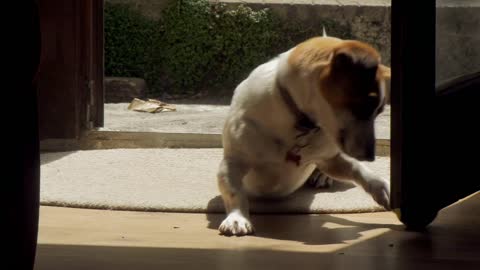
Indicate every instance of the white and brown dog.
{"type": "Point", "coordinates": [312, 107]}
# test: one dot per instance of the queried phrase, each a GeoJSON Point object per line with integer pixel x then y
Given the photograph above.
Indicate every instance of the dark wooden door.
{"type": "Point", "coordinates": [434, 136]}
{"type": "Point", "coordinates": [70, 79]}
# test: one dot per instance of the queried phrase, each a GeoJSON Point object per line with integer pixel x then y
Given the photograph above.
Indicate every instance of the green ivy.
{"type": "Point", "coordinates": [129, 40]}
{"type": "Point", "coordinates": [198, 45]}
{"type": "Point", "coordinates": [243, 38]}
{"type": "Point", "coordinates": [188, 45]}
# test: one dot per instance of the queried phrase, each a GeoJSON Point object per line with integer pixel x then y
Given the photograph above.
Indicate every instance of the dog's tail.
{"type": "Point", "coordinates": [324, 32]}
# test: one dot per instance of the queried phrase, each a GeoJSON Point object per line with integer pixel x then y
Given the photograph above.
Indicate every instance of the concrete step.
{"type": "Point", "coordinates": [192, 118]}
{"type": "Point", "coordinates": [191, 126]}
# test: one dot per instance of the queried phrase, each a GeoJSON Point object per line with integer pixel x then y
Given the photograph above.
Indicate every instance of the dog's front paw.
{"type": "Point", "coordinates": [319, 180]}
{"type": "Point", "coordinates": [380, 191]}
{"type": "Point", "coordinates": [236, 224]}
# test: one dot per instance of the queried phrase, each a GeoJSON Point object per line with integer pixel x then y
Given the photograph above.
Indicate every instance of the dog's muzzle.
{"type": "Point", "coordinates": [357, 145]}
{"type": "Point", "coordinates": [369, 154]}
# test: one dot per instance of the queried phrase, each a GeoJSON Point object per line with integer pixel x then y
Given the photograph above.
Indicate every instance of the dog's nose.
{"type": "Point", "coordinates": [370, 154]}
{"type": "Point", "coordinates": [365, 156]}
{"type": "Point", "coordinates": [342, 137]}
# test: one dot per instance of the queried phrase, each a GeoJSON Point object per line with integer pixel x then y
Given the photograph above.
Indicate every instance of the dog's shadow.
{"type": "Point", "coordinates": [286, 220]}
{"type": "Point", "coordinates": [48, 157]}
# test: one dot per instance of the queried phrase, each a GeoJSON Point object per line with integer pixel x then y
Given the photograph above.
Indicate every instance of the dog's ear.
{"type": "Point", "coordinates": [386, 74]}
{"type": "Point", "coordinates": [342, 61]}
{"type": "Point", "coordinates": [350, 58]}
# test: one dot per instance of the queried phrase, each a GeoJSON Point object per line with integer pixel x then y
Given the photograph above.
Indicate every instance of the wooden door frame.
{"type": "Point", "coordinates": [412, 101]}
{"type": "Point", "coordinates": [431, 131]}
{"type": "Point", "coordinates": [71, 72]}
{"type": "Point", "coordinates": [94, 43]}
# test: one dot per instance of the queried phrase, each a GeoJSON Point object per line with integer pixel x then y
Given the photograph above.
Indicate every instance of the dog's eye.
{"type": "Point", "coordinates": [373, 94]}
{"type": "Point", "coordinates": [366, 108]}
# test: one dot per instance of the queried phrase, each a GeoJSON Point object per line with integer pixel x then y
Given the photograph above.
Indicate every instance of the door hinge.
{"type": "Point", "coordinates": [90, 85]}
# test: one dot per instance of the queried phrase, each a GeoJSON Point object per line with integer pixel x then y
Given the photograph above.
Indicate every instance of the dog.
{"type": "Point", "coordinates": [311, 108]}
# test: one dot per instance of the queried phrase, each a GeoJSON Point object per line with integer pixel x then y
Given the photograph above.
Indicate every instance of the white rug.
{"type": "Point", "coordinates": [174, 180]}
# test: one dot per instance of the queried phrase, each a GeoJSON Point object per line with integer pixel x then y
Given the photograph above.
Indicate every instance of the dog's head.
{"type": "Point", "coordinates": [353, 85]}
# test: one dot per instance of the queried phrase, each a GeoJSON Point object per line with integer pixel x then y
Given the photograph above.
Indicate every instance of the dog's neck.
{"type": "Point", "coordinates": [303, 122]}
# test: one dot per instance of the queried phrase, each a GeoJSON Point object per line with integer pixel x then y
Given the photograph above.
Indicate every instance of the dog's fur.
{"type": "Point", "coordinates": [339, 86]}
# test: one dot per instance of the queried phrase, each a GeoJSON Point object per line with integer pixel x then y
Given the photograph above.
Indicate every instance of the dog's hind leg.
{"type": "Point", "coordinates": [230, 177]}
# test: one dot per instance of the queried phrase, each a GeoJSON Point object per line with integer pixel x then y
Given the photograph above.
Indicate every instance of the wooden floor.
{"type": "Point", "coordinates": [71, 239]}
